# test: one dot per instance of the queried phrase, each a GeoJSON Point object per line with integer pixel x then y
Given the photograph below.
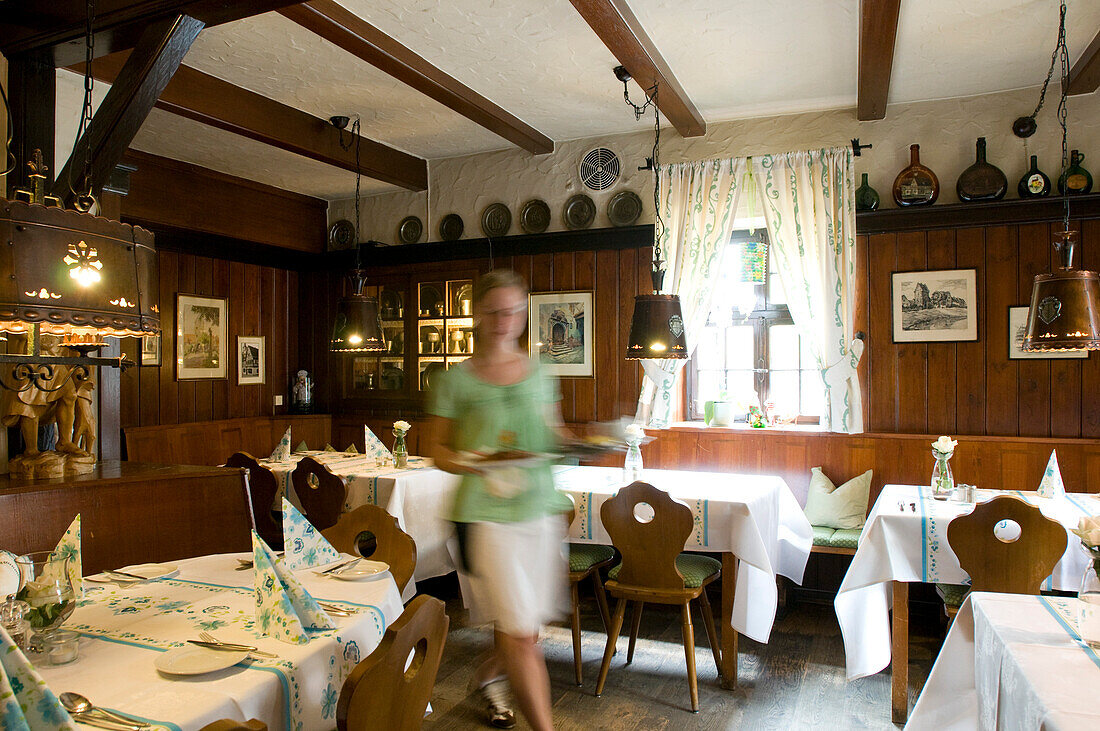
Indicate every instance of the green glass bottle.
{"type": "Point", "coordinates": [1034, 184]}
{"type": "Point", "coordinates": [1075, 180]}
{"type": "Point", "coordinates": [866, 196]}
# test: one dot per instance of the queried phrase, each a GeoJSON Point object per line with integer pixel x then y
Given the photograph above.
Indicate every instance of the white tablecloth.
{"type": "Point", "coordinates": [905, 539]}
{"type": "Point", "coordinates": [1011, 662]}
{"type": "Point", "coordinates": [416, 496]}
{"type": "Point", "coordinates": [125, 629]}
{"type": "Point", "coordinates": [754, 517]}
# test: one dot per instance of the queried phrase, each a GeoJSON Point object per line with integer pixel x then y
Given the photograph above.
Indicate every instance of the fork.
{"type": "Point", "coordinates": [207, 637]}
{"type": "Point", "coordinates": [334, 609]}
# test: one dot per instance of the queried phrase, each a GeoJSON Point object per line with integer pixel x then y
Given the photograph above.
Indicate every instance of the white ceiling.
{"type": "Point", "coordinates": [540, 61]}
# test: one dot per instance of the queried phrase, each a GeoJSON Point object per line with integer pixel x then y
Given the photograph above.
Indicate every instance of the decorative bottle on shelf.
{"type": "Point", "coordinates": [1075, 180]}
{"type": "Point", "coordinates": [866, 196]}
{"type": "Point", "coordinates": [981, 181]}
{"type": "Point", "coordinates": [916, 185]}
{"type": "Point", "coordinates": [1034, 184]}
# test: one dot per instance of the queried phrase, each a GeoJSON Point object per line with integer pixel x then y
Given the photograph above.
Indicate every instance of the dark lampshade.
{"type": "Point", "coordinates": [358, 328]}
{"type": "Point", "coordinates": [657, 328]}
{"type": "Point", "coordinates": [1065, 307]}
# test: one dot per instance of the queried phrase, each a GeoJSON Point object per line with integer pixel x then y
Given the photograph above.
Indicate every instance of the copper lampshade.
{"type": "Point", "coordinates": [657, 328]}
{"type": "Point", "coordinates": [1065, 307]}
{"type": "Point", "coordinates": [358, 327]}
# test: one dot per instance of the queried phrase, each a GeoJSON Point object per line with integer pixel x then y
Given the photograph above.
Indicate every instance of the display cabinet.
{"type": "Point", "coordinates": [445, 326]}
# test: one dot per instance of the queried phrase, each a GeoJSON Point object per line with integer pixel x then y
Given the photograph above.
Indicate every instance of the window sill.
{"type": "Point", "coordinates": [741, 427]}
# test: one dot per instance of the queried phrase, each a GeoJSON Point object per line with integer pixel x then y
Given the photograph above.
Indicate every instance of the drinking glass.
{"type": "Point", "coordinates": [46, 587]}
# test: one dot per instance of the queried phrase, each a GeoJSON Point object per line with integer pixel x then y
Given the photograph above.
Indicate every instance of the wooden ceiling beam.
{"type": "Point", "coordinates": [878, 28]}
{"type": "Point", "coordinates": [1084, 77]}
{"type": "Point", "coordinates": [207, 99]}
{"type": "Point", "coordinates": [58, 25]}
{"type": "Point", "coordinates": [348, 31]}
{"type": "Point", "coordinates": [619, 29]}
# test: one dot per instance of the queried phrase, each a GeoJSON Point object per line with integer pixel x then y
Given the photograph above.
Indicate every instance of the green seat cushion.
{"type": "Point", "coordinates": [694, 568]}
{"type": "Point", "coordinates": [952, 594]}
{"type": "Point", "coordinates": [846, 538]}
{"type": "Point", "coordinates": [583, 556]}
{"type": "Point", "coordinates": [823, 535]}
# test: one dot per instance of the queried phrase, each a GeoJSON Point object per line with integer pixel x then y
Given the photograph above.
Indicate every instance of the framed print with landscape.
{"type": "Point", "coordinates": [559, 332]}
{"type": "Point", "coordinates": [150, 350]}
{"type": "Point", "coordinates": [1017, 328]}
{"type": "Point", "coordinates": [201, 337]}
{"type": "Point", "coordinates": [251, 359]}
{"type": "Point", "coordinates": [936, 306]}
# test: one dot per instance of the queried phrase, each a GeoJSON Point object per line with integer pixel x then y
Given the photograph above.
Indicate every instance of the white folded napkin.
{"type": "Point", "coordinates": [304, 544]}
{"type": "Point", "coordinates": [282, 449]}
{"type": "Point", "coordinates": [25, 701]}
{"type": "Point", "coordinates": [1051, 485]}
{"type": "Point", "coordinates": [284, 609]}
{"type": "Point", "coordinates": [374, 447]}
{"type": "Point", "coordinates": [69, 546]}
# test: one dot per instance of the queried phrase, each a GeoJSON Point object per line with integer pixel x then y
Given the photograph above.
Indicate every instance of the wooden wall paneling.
{"type": "Point", "coordinates": [862, 319]}
{"type": "Point", "coordinates": [204, 389]}
{"type": "Point", "coordinates": [1033, 375]}
{"type": "Point", "coordinates": [608, 358]}
{"type": "Point", "coordinates": [882, 354]}
{"type": "Point", "coordinates": [626, 399]}
{"type": "Point", "coordinates": [563, 280]}
{"type": "Point", "coordinates": [148, 393]}
{"type": "Point", "coordinates": [1090, 369]}
{"type": "Point", "coordinates": [276, 341]}
{"type": "Point", "coordinates": [912, 389]}
{"type": "Point", "coordinates": [237, 284]}
{"type": "Point", "coordinates": [970, 381]}
{"type": "Point", "coordinates": [290, 354]}
{"type": "Point", "coordinates": [168, 267]}
{"type": "Point", "coordinates": [186, 389]}
{"type": "Point", "coordinates": [584, 389]}
{"type": "Point", "coordinates": [942, 363]}
{"type": "Point", "coordinates": [1002, 412]}
{"type": "Point", "coordinates": [130, 385]}
{"type": "Point", "coordinates": [221, 388]}
{"type": "Point", "coordinates": [268, 293]}
{"type": "Point", "coordinates": [1066, 376]}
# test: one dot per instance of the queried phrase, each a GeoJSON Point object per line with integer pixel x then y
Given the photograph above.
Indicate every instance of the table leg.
{"type": "Point", "coordinates": [729, 634]}
{"type": "Point", "coordinates": [899, 666]}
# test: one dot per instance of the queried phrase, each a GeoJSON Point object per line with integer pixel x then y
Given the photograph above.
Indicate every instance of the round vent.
{"type": "Point", "coordinates": [599, 169]}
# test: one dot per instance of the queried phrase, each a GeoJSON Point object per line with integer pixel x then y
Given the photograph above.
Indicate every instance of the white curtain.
{"type": "Point", "coordinates": [809, 206]}
{"type": "Point", "coordinates": [698, 204]}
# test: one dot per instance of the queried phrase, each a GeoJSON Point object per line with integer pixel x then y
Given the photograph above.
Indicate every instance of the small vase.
{"type": "Point", "coordinates": [632, 465]}
{"type": "Point", "coordinates": [400, 451]}
{"type": "Point", "coordinates": [1089, 596]}
{"type": "Point", "coordinates": [943, 482]}
{"type": "Point", "coordinates": [866, 196]}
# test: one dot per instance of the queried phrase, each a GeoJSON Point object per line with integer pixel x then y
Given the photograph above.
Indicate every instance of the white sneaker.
{"type": "Point", "coordinates": [498, 703]}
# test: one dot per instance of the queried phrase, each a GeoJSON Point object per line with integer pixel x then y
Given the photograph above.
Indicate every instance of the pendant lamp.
{"type": "Point", "coordinates": [1065, 304]}
{"type": "Point", "coordinates": [657, 326]}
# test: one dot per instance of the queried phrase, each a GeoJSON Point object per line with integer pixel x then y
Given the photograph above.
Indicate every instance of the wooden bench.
{"type": "Point", "coordinates": [212, 442]}
{"type": "Point", "coordinates": [830, 540]}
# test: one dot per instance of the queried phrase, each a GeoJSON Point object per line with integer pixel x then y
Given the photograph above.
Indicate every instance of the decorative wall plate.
{"type": "Point", "coordinates": [341, 235]}
{"type": "Point", "coordinates": [451, 227]}
{"type": "Point", "coordinates": [624, 208]}
{"type": "Point", "coordinates": [496, 219]}
{"type": "Point", "coordinates": [579, 212]}
{"type": "Point", "coordinates": [535, 216]}
{"type": "Point", "coordinates": [410, 230]}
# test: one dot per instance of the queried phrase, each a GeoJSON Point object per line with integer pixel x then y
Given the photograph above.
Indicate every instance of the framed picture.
{"type": "Point", "coordinates": [202, 338]}
{"type": "Point", "coordinates": [936, 306]}
{"type": "Point", "coordinates": [150, 350]}
{"type": "Point", "coordinates": [251, 359]}
{"type": "Point", "coordinates": [559, 332]}
{"type": "Point", "coordinates": [1017, 327]}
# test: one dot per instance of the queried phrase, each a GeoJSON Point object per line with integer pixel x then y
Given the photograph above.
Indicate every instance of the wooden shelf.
{"type": "Point", "coordinates": [992, 213]}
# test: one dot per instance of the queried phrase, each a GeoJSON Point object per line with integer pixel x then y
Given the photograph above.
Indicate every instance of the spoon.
{"type": "Point", "coordinates": [76, 703]}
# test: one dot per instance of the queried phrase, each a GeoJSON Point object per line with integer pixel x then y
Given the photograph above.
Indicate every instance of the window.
{"type": "Point", "coordinates": [750, 351]}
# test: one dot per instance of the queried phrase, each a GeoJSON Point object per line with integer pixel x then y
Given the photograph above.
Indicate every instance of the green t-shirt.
{"type": "Point", "coordinates": [487, 417]}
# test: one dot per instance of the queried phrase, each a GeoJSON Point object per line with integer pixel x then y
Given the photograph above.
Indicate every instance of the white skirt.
{"type": "Point", "coordinates": [517, 574]}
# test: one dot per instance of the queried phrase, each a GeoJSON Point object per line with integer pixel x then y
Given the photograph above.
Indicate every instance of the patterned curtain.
{"type": "Point", "coordinates": [809, 206]}
{"type": "Point", "coordinates": [698, 204]}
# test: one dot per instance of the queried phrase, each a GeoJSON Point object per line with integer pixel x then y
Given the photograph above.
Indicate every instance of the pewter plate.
{"type": "Point", "coordinates": [410, 230]}
{"type": "Point", "coordinates": [496, 219]}
{"type": "Point", "coordinates": [451, 227]}
{"type": "Point", "coordinates": [624, 208]}
{"type": "Point", "coordinates": [341, 235]}
{"type": "Point", "coordinates": [579, 212]}
{"type": "Point", "coordinates": [535, 216]}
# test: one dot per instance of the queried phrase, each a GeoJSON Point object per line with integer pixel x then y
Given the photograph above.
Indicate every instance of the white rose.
{"type": "Point", "coordinates": [945, 445]}
{"type": "Point", "coordinates": [634, 432]}
{"type": "Point", "coordinates": [1088, 530]}
{"type": "Point", "coordinates": [402, 426]}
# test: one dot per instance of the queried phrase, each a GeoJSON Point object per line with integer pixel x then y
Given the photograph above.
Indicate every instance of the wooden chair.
{"type": "Point", "coordinates": [1015, 567]}
{"type": "Point", "coordinates": [586, 560]}
{"type": "Point", "coordinates": [369, 531]}
{"type": "Point", "coordinates": [262, 489]}
{"type": "Point", "coordinates": [388, 691]}
{"type": "Point", "coordinates": [655, 570]}
{"type": "Point", "coordinates": [227, 724]}
{"type": "Point", "coordinates": [320, 491]}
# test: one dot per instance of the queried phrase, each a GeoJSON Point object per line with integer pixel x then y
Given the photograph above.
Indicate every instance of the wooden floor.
{"type": "Point", "coordinates": [796, 681]}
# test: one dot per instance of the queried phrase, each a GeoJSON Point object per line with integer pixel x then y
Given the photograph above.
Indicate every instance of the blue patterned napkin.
{"type": "Point", "coordinates": [1051, 485]}
{"type": "Point", "coordinates": [329, 448]}
{"type": "Point", "coordinates": [302, 447]}
{"type": "Point", "coordinates": [282, 450]}
{"type": "Point", "coordinates": [305, 546]}
{"type": "Point", "coordinates": [26, 704]}
{"type": "Point", "coordinates": [284, 609]}
{"type": "Point", "coordinates": [69, 546]}
{"type": "Point", "coordinates": [351, 449]}
{"type": "Point", "coordinates": [374, 448]}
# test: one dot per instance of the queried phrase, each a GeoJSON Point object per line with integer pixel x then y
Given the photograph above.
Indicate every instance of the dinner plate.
{"type": "Point", "coordinates": [146, 570]}
{"type": "Point", "coordinates": [195, 660]}
{"type": "Point", "coordinates": [365, 569]}
{"type": "Point", "coordinates": [531, 459]}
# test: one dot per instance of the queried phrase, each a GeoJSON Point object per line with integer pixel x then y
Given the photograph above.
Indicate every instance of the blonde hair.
{"type": "Point", "coordinates": [497, 279]}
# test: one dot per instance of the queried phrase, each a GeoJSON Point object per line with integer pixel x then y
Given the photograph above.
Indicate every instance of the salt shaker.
{"type": "Point", "coordinates": [12, 612]}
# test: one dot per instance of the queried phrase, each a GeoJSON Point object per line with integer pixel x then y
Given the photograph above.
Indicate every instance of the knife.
{"type": "Point", "coordinates": [232, 648]}
{"type": "Point", "coordinates": [132, 577]}
{"type": "Point", "coordinates": [339, 566]}
{"type": "Point", "coordinates": [89, 720]}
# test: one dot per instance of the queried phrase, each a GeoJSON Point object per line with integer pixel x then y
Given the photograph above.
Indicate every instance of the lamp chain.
{"type": "Point", "coordinates": [86, 109]}
{"type": "Point", "coordinates": [654, 160]}
{"type": "Point", "coordinates": [1062, 52]}
{"type": "Point", "coordinates": [355, 128]}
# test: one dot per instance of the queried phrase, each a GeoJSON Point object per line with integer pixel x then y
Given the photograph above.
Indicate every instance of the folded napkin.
{"type": "Point", "coordinates": [284, 609]}
{"type": "Point", "coordinates": [329, 448]}
{"type": "Point", "coordinates": [1051, 485]}
{"type": "Point", "coordinates": [305, 546]}
{"type": "Point", "coordinates": [351, 449]}
{"type": "Point", "coordinates": [69, 546]}
{"type": "Point", "coordinates": [282, 449]}
{"type": "Point", "coordinates": [374, 447]}
{"type": "Point", "coordinates": [26, 704]}
{"type": "Point", "coordinates": [302, 447]}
